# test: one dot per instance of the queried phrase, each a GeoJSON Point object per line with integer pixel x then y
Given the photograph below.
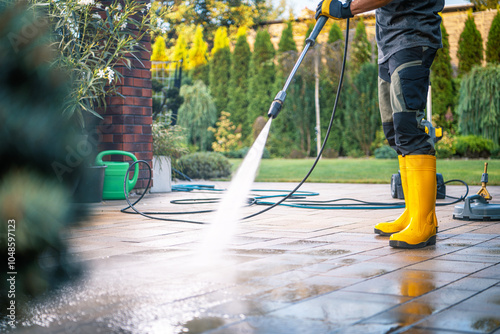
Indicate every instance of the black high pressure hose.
{"type": "Point", "coordinates": [273, 112]}
{"type": "Point", "coordinates": [321, 21]}
{"type": "Point", "coordinates": [276, 105]}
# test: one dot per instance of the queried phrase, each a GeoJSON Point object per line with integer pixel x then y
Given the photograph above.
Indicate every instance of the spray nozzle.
{"type": "Point", "coordinates": [277, 104]}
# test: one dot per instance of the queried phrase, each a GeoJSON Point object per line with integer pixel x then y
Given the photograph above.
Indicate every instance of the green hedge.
{"type": "Point", "coordinates": [385, 152]}
{"type": "Point", "coordinates": [472, 146]}
{"type": "Point", "coordinates": [205, 165]}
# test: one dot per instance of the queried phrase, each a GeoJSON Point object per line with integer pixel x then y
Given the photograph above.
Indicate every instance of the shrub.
{"type": "Point", "coordinates": [444, 147]}
{"type": "Point", "coordinates": [495, 153]}
{"type": "Point", "coordinates": [473, 146]}
{"type": "Point", "coordinates": [168, 140]}
{"type": "Point", "coordinates": [94, 43]}
{"type": "Point", "coordinates": [226, 136]}
{"type": "Point", "coordinates": [385, 152]}
{"type": "Point", "coordinates": [356, 153]}
{"type": "Point", "coordinates": [205, 165]}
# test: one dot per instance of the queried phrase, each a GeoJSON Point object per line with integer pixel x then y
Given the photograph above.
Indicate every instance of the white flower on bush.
{"type": "Point", "coordinates": [119, 7]}
{"type": "Point", "coordinates": [162, 25]}
{"type": "Point", "coordinates": [96, 16]}
{"type": "Point", "coordinates": [106, 73]}
{"type": "Point", "coordinates": [111, 74]}
{"type": "Point", "coordinates": [101, 73]}
{"type": "Point", "coordinates": [85, 2]}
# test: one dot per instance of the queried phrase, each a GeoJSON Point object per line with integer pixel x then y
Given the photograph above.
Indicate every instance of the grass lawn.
{"type": "Point", "coordinates": [367, 170]}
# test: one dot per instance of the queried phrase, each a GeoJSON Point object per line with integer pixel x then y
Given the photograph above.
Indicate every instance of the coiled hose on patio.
{"type": "Point", "coordinates": [296, 200]}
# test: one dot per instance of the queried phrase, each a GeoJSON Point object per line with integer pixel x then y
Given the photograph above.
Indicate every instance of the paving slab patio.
{"type": "Point", "coordinates": [289, 270]}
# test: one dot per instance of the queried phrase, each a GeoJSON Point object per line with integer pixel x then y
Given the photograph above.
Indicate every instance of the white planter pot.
{"type": "Point", "coordinates": [162, 175]}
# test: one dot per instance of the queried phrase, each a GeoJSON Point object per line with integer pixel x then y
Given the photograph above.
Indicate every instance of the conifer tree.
{"type": "Point", "coordinates": [197, 59]}
{"type": "Point", "coordinates": [159, 52]}
{"type": "Point", "coordinates": [335, 34]}
{"type": "Point", "coordinates": [219, 69]}
{"type": "Point", "coordinates": [262, 77]}
{"type": "Point", "coordinates": [238, 83]}
{"type": "Point", "coordinates": [470, 47]}
{"type": "Point", "coordinates": [493, 44]}
{"type": "Point", "coordinates": [363, 117]}
{"type": "Point", "coordinates": [361, 47]}
{"type": "Point", "coordinates": [180, 49]}
{"type": "Point", "coordinates": [334, 50]}
{"type": "Point", "coordinates": [287, 42]}
{"type": "Point", "coordinates": [287, 52]}
{"type": "Point", "coordinates": [443, 93]}
{"type": "Point", "coordinates": [297, 119]}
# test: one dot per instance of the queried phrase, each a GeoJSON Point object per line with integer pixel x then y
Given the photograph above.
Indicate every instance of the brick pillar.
{"type": "Point", "coordinates": [127, 120]}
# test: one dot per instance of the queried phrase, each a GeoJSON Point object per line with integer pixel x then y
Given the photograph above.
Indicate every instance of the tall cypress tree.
{"type": "Point", "coordinates": [334, 50]}
{"type": "Point", "coordinates": [238, 83]}
{"type": "Point", "coordinates": [443, 93]}
{"type": "Point", "coordinates": [335, 34]}
{"type": "Point", "coordinates": [262, 77]}
{"type": "Point", "coordinates": [197, 61]}
{"type": "Point", "coordinates": [493, 44]}
{"type": "Point", "coordinates": [180, 48]}
{"type": "Point", "coordinates": [470, 47]}
{"type": "Point", "coordinates": [159, 52]}
{"type": "Point", "coordinates": [287, 42]}
{"type": "Point", "coordinates": [362, 118]}
{"type": "Point", "coordinates": [297, 119]}
{"type": "Point", "coordinates": [219, 69]}
{"type": "Point", "coordinates": [361, 47]}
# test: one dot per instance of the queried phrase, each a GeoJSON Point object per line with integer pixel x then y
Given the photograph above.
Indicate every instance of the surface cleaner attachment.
{"type": "Point", "coordinates": [476, 207]}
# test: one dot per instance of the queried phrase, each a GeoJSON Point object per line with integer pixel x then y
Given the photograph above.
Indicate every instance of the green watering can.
{"type": "Point", "coordinates": [115, 175]}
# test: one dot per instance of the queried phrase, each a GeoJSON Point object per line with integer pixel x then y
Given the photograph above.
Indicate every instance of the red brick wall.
{"type": "Point", "coordinates": [128, 119]}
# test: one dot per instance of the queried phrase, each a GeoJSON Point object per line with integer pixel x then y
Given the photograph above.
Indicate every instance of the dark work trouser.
{"type": "Point", "coordinates": [402, 87]}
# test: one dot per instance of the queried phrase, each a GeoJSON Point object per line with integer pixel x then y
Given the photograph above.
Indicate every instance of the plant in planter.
{"type": "Point", "coordinates": [169, 144]}
{"type": "Point", "coordinates": [93, 44]}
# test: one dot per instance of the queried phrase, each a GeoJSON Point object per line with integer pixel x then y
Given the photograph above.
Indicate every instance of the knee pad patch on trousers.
{"type": "Point", "coordinates": [414, 85]}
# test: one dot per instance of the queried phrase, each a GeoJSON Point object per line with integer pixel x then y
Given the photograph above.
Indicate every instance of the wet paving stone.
{"type": "Point", "coordinates": [287, 271]}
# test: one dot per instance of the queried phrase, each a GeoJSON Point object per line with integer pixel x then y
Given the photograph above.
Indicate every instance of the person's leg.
{"type": "Point", "coordinates": [410, 70]}
{"type": "Point", "coordinates": [384, 98]}
{"type": "Point", "coordinates": [409, 85]}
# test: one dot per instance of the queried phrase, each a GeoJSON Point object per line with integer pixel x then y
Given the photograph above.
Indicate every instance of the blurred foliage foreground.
{"type": "Point", "coordinates": [35, 200]}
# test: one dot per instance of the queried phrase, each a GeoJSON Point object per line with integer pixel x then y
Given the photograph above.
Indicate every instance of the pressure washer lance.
{"type": "Point", "coordinates": [277, 104]}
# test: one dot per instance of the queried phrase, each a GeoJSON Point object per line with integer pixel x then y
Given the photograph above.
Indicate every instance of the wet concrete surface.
{"type": "Point", "coordinates": [287, 271]}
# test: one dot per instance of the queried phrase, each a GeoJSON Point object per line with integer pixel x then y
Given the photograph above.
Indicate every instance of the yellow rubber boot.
{"type": "Point", "coordinates": [389, 228]}
{"type": "Point", "coordinates": [421, 178]}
